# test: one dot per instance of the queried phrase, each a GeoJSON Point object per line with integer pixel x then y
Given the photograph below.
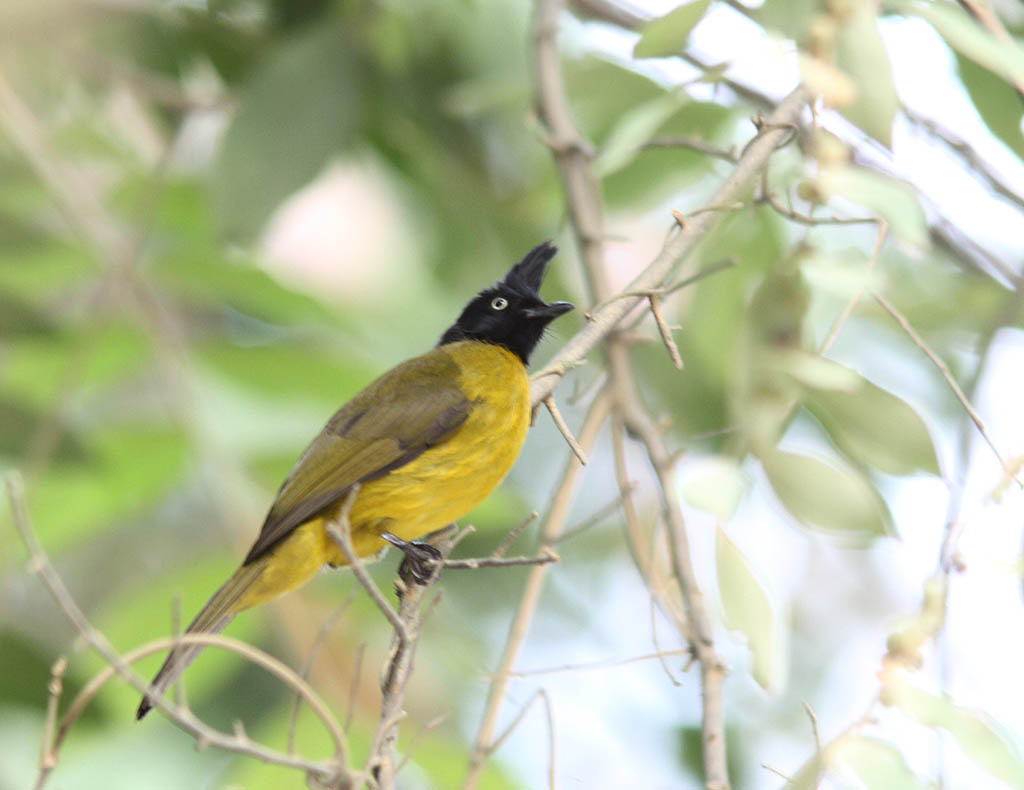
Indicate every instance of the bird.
{"type": "Point", "coordinates": [420, 446]}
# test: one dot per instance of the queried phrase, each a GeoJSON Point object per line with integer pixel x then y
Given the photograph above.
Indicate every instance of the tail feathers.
{"type": "Point", "coordinates": [212, 619]}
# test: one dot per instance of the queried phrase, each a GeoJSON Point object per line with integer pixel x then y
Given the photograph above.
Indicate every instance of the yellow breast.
{"type": "Point", "coordinates": [449, 480]}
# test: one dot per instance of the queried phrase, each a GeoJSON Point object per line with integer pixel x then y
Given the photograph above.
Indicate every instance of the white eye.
{"type": "Point", "coordinates": [499, 303]}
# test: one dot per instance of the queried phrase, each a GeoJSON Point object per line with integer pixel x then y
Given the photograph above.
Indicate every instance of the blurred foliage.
{"type": "Point", "coordinates": [159, 374]}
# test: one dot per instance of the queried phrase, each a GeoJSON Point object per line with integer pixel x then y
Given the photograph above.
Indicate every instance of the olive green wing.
{"type": "Point", "coordinates": [411, 408]}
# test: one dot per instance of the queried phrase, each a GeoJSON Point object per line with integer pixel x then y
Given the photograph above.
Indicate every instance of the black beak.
{"type": "Point", "coordinates": [549, 311]}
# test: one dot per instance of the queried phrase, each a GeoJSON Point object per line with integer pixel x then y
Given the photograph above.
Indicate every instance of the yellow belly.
{"type": "Point", "coordinates": [436, 488]}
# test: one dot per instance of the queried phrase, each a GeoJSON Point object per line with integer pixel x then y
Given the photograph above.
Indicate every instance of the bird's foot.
{"type": "Point", "coordinates": [420, 558]}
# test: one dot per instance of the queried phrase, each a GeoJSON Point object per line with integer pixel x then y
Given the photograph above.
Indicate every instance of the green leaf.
{"type": "Point", "coordinates": [716, 486]}
{"type": "Point", "coordinates": [634, 129]}
{"type": "Point", "coordinates": [895, 202]}
{"type": "Point", "coordinates": [134, 467]}
{"type": "Point", "coordinates": [302, 106]}
{"type": "Point", "coordinates": [876, 763]}
{"type": "Point", "coordinates": [874, 426]}
{"type": "Point", "coordinates": [747, 609]}
{"type": "Point", "coordinates": [600, 91]}
{"type": "Point", "coordinates": [19, 317]}
{"type": "Point", "coordinates": [1003, 58]}
{"type": "Point", "coordinates": [861, 54]}
{"type": "Point", "coordinates": [20, 428]}
{"type": "Point", "coordinates": [666, 36]}
{"type": "Point", "coordinates": [983, 740]}
{"type": "Point", "coordinates": [820, 495]}
{"type": "Point", "coordinates": [996, 102]}
{"type": "Point", "coordinates": [812, 370]}
{"type": "Point", "coordinates": [285, 370]}
{"type": "Point", "coordinates": [658, 174]}
{"type": "Point", "coordinates": [792, 18]}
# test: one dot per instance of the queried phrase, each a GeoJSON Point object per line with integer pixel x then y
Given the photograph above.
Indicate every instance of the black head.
{"type": "Point", "coordinates": [511, 313]}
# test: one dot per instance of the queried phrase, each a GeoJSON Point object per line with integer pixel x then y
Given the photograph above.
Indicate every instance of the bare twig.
{"type": "Point", "coordinates": [340, 531]}
{"type": "Point", "coordinates": [542, 695]}
{"type": "Point", "coordinates": [186, 720]}
{"type": "Point", "coordinates": [587, 216]}
{"type": "Point", "coordinates": [183, 718]}
{"type": "Point", "coordinates": [946, 374]}
{"type": "Point", "coordinates": [666, 332]}
{"type": "Point", "coordinates": [837, 327]}
{"type": "Point", "coordinates": [694, 144]}
{"type": "Point", "coordinates": [659, 650]}
{"type": "Point", "coordinates": [417, 738]}
{"type": "Point", "coordinates": [607, 664]}
{"type": "Point", "coordinates": [772, 199]}
{"type": "Point", "coordinates": [399, 667]}
{"type": "Point", "coordinates": [553, 526]}
{"type": "Point", "coordinates": [958, 145]}
{"type": "Point", "coordinates": [596, 518]}
{"type": "Point", "coordinates": [556, 415]}
{"type": "Point", "coordinates": [514, 533]}
{"type": "Point", "coordinates": [357, 670]}
{"type": "Point", "coordinates": [321, 637]}
{"type": "Point", "coordinates": [607, 318]}
{"type": "Point", "coordinates": [547, 555]}
{"type": "Point", "coordinates": [48, 752]}
{"type": "Point", "coordinates": [814, 725]}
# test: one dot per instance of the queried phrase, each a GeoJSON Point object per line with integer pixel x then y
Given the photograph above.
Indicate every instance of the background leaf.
{"type": "Point", "coordinates": [966, 36]}
{"type": "Point", "coordinates": [876, 427]}
{"type": "Point", "coordinates": [860, 53]}
{"type": "Point", "coordinates": [824, 496]}
{"type": "Point", "coordinates": [666, 36]}
{"type": "Point", "coordinates": [747, 609]}
{"type": "Point", "coordinates": [980, 738]}
{"type": "Point", "coordinates": [282, 136]}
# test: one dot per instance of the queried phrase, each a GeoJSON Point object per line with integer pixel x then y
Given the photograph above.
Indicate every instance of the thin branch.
{"type": "Point", "coordinates": [514, 533]}
{"type": "Point", "coordinates": [607, 318]}
{"type": "Point", "coordinates": [659, 651]}
{"type": "Point", "coordinates": [48, 752]}
{"type": "Point", "coordinates": [318, 642]}
{"type": "Point", "coordinates": [844, 316]}
{"type": "Point", "coordinates": [967, 153]}
{"type": "Point", "coordinates": [587, 216]}
{"type": "Point", "coordinates": [772, 199]}
{"type": "Point", "coordinates": [203, 733]}
{"type": "Point", "coordinates": [596, 518]}
{"type": "Point", "coordinates": [814, 726]}
{"type": "Point", "coordinates": [121, 666]}
{"type": "Point", "coordinates": [666, 332]}
{"type": "Point", "coordinates": [357, 670]}
{"type": "Point", "coordinates": [381, 762]}
{"type": "Point", "coordinates": [553, 527]}
{"type": "Point", "coordinates": [417, 739]}
{"type": "Point", "coordinates": [694, 144]}
{"type": "Point", "coordinates": [946, 374]}
{"type": "Point", "coordinates": [339, 529]}
{"type": "Point", "coordinates": [556, 415]}
{"type": "Point", "coordinates": [606, 664]}
{"type": "Point", "coordinates": [546, 556]}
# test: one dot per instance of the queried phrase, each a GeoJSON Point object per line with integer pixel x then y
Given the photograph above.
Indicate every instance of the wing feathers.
{"type": "Point", "coordinates": [401, 415]}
